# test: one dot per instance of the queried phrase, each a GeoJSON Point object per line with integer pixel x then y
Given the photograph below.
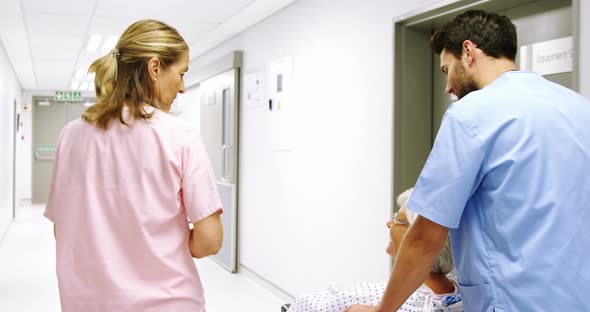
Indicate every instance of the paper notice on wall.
{"type": "Point", "coordinates": [548, 57]}
{"type": "Point", "coordinates": [254, 90]}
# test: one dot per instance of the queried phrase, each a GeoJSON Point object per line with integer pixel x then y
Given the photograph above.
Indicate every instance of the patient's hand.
{"type": "Point", "coordinates": [361, 308]}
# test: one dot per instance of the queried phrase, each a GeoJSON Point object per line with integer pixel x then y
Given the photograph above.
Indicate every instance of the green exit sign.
{"type": "Point", "coordinates": [68, 96]}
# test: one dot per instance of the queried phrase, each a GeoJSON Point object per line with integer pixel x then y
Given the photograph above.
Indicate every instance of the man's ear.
{"type": "Point", "coordinates": [468, 51]}
{"type": "Point", "coordinates": [154, 68]}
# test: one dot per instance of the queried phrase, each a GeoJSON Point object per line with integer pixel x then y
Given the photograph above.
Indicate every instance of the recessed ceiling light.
{"type": "Point", "coordinates": [93, 43]}
{"type": "Point", "coordinates": [84, 85]}
{"type": "Point", "coordinates": [80, 74]}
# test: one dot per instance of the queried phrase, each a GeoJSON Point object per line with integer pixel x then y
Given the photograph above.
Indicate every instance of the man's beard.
{"type": "Point", "coordinates": [465, 85]}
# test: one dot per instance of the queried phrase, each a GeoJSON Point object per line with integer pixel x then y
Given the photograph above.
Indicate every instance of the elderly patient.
{"type": "Point", "coordinates": [440, 291]}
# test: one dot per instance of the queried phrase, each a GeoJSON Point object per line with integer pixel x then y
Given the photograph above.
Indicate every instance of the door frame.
{"type": "Point", "coordinates": [34, 101]}
{"type": "Point", "coordinates": [202, 73]}
{"type": "Point", "coordinates": [412, 107]}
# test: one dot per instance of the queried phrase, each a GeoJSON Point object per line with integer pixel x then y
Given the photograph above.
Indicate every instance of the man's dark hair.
{"type": "Point", "coordinates": [494, 34]}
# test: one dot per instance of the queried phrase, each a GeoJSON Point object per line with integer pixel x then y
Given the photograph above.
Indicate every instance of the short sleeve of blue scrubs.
{"type": "Point", "coordinates": [451, 173]}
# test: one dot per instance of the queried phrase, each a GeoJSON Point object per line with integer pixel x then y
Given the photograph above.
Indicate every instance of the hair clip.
{"type": "Point", "coordinates": [115, 53]}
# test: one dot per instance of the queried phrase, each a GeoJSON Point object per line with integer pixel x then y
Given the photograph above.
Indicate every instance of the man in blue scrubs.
{"type": "Point", "coordinates": [509, 175]}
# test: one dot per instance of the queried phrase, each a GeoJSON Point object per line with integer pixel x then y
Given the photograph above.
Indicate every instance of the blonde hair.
{"type": "Point", "coordinates": [122, 75]}
{"type": "Point", "coordinates": [444, 262]}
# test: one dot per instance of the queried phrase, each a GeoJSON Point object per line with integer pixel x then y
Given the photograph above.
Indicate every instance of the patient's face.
{"type": "Point", "coordinates": [397, 230]}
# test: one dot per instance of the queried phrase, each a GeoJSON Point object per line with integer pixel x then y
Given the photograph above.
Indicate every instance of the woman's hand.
{"type": "Point", "coordinates": [361, 308]}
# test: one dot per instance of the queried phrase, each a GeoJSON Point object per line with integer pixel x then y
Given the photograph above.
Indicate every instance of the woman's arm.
{"type": "Point", "coordinates": [206, 236]}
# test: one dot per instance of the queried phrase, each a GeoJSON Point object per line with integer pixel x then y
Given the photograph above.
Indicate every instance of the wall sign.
{"type": "Point", "coordinates": [254, 89]}
{"type": "Point", "coordinates": [68, 96]}
{"type": "Point", "coordinates": [548, 57]}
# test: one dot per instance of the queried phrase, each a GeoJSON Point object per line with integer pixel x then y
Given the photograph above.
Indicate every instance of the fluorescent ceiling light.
{"type": "Point", "coordinates": [80, 74]}
{"type": "Point", "coordinates": [93, 43]}
{"type": "Point", "coordinates": [84, 85]}
{"type": "Point", "coordinates": [109, 43]}
{"type": "Point", "coordinates": [44, 103]}
{"type": "Point", "coordinates": [75, 85]}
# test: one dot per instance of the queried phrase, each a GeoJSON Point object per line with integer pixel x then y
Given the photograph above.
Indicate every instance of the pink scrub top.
{"type": "Point", "coordinates": [120, 200]}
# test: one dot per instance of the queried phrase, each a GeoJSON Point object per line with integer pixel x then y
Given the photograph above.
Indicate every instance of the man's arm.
{"type": "Point", "coordinates": [419, 249]}
{"type": "Point", "coordinates": [206, 236]}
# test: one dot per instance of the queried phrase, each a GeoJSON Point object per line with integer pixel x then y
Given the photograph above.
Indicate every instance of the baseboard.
{"type": "Point", "coordinates": [276, 290]}
{"type": "Point", "coordinates": [4, 231]}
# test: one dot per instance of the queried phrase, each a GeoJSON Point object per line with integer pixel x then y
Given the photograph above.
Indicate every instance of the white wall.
{"type": "Point", "coordinates": [10, 90]}
{"type": "Point", "coordinates": [316, 215]}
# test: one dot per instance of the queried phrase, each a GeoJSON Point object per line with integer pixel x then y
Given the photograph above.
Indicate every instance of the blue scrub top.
{"type": "Point", "coordinates": [509, 173]}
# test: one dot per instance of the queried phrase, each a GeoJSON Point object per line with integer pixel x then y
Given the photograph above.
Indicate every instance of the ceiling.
{"type": "Point", "coordinates": [46, 40]}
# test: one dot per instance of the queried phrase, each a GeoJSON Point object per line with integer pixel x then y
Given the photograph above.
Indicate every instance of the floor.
{"type": "Point", "coordinates": [28, 282]}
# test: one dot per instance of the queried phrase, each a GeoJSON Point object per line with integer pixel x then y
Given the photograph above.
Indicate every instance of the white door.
{"type": "Point", "coordinates": [219, 129]}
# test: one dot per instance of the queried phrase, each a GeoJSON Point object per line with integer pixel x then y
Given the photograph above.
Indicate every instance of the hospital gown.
{"type": "Point", "coordinates": [333, 299]}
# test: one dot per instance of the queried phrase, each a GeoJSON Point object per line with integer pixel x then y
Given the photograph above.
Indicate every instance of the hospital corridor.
{"type": "Point", "coordinates": [292, 155]}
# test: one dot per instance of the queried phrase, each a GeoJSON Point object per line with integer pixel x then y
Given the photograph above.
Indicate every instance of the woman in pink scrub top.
{"type": "Point", "coordinates": [126, 178]}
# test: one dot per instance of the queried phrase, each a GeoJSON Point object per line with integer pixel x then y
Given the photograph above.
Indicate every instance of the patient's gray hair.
{"type": "Point", "coordinates": [444, 263]}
